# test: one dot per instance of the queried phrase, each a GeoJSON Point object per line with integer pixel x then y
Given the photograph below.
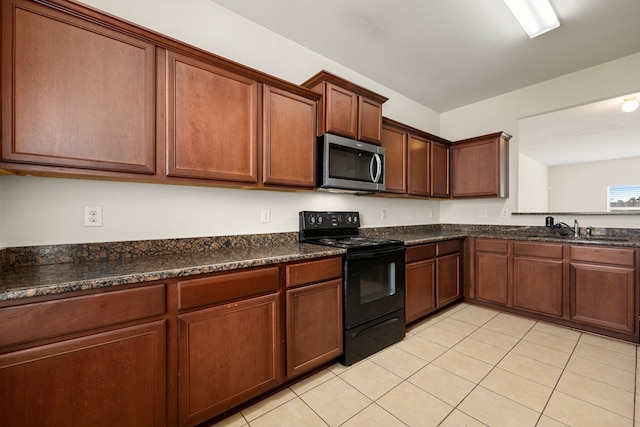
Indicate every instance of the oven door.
{"type": "Point", "coordinates": [374, 283]}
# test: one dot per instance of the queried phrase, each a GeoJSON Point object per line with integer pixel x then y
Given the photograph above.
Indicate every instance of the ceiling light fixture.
{"type": "Point", "coordinates": [630, 105]}
{"type": "Point", "coordinates": [535, 16]}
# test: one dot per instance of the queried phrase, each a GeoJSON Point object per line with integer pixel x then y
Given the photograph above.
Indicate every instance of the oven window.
{"type": "Point", "coordinates": [376, 282]}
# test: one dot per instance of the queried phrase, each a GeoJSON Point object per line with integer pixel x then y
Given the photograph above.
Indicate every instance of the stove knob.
{"type": "Point", "coordinates": [319, 219]}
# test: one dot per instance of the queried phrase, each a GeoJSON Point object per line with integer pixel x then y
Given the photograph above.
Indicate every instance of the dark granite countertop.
{"type": "Point", "coordinates": [38, 280]}
{"type": "Point", "coordinates": [59, 269]}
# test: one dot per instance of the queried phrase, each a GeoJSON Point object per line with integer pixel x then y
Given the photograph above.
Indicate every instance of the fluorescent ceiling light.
{"type": "Point", "coordinates": [535, 16]}
{"type": "Point", "coordinates": [630, 105]}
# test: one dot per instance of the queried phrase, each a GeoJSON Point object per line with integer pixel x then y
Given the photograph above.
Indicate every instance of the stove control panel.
{"type": "Point", "coordinates": [312, 220]}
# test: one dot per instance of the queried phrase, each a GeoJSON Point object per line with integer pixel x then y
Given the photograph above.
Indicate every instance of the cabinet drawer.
{"type": "Point", "coordinates": [604, 255]}
{"type": "Point", "coordinates": [227, 286]}
{"type": "Point", "coordinates": [540, 250]}
{"type": "Point", "coordinates": [313, 271]}
{"type": "Point", "coordinates": [31, 322]}
{"type": "Point", "coordinates": [419, 253]}
{"type": "Point", "coordinates": [448, 247]}
{"type": "Point", "coordinates": [492, 245]}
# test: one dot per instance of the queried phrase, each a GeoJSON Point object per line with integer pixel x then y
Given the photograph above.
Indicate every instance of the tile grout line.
{"type": "Point", "coordinates": [557, 382]}
{"type": "Point", "coordinates": [491, 370]}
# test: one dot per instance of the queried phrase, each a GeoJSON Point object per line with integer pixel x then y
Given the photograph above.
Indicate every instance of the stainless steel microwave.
{"type": "Point", "coordinates": [349, 165]}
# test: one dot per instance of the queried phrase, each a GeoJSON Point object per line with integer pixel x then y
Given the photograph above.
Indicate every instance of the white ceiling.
{"type": "Point", "coordinates": [446, 54]}
{"type": "Point", "coordinates": [586, 133]}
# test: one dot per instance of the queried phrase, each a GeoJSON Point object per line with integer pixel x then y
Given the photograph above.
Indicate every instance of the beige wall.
{"type": "Point", "coordinates": [533, 185]}
{"type": "Point", "coordinates": [501, 113]}
{"type": "Point", "coordinates": [583, 187]}
{"type": "Point", "coordinates": [35, 211]}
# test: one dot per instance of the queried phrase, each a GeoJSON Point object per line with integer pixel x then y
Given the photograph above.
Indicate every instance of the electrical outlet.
{"type": "Point", "coordinates": [481, 213]}
{"type": "Point", "coordinates": [430, 213]}
{"type": "Point", "coordinates": [93, 216]}
{"type": "Point", "coordinates": [265, 215]}
{"type": "Point", "coordinates": [383, 215]}
{"type": "Point", "coordinates": [505, 213]}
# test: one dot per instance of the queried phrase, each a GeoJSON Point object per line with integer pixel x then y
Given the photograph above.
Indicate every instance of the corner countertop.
{"type": "Point", "coordinates": [52, 270]}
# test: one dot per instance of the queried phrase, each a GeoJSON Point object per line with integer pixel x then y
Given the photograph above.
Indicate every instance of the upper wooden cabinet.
{"type": "Point", "coordinates": [215, 132]}
{"type": "Point", "coordinates": [289, 138]}
{"type": "Point", "coordinates": [394, 140]}
{"type": "Point", "coordinates": [480, 167]}
{"type": "Point", "coordinates": [417, 162]}
{"type": "Point", "coordinates": [212, 122]}
{"type": "Point", "coordinates": [90, 95]}
{"type": "Point", "coordinates": [439, 170]}
{"type": "Point", "coordinates": [75, 94]}
{"type": "Point", "coordinates": [347, 109]}
{"type": "Point", "coordinates": [418, 166]}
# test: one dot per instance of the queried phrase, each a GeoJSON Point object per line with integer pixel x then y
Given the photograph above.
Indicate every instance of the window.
{"type": "Point", "coordinates": [623, 198]}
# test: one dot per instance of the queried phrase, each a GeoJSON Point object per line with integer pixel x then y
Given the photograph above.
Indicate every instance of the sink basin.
{"type": "Point", "coordinates": [583, 238]}
{"type": "Point", "coordinates": [605, 238]}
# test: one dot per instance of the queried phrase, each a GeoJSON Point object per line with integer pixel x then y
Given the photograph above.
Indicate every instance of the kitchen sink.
{"type": "Point", "coordinates": [582, 238]}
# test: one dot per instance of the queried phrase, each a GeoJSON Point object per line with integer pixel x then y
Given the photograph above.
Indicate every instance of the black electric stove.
{"type": "Point", "coordinates": [373, 281]}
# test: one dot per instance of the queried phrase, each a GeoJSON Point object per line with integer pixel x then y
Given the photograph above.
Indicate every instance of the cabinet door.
{"type": "Point", "coordinates": [418, 166]}
{"type": "Point", "coordinates": [227, 354]}
{"type": "Point", "coordinates": [115, 378]}
{"type": "Point", "coordinates": [420, 289]}
{"type": "Point", "coordinates": [289, 139]}
{"type": "Point", "coordinates": [341, 111]}
{"type": "Point", "coordinates": [447, 279]}
{"type": "Point", "coordinates": [212, 119]}
{"type": "Point", "coordinates": [492, 276]}
{"type": "Point", "coordinates": [314, 325]}
{"type": "Point", "coordinates": [439, 170]}
{"type": "Point", "coordinates": [604, 296]}
{"type": "Point", "coordinates": [537, 285]}
{"type": "Point", "coordinates": [75, 94]}
{"type": "Point", "coordinates": [479, 167]}
{"type": "Point", "coordinates": [394, 140]}
{"type": "Point", "coordinates": [369, 120]}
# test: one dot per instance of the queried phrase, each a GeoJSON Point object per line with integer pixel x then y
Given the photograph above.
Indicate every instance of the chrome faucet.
{"type": "Point", "coordinates": [576, 228]}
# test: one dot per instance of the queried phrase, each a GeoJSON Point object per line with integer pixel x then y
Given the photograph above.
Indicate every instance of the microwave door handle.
{"type": "Point", "coordinates": [378, 162]}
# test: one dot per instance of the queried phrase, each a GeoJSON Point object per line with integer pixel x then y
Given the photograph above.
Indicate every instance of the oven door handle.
{"type": "Point", "coordinates": [375, 254]}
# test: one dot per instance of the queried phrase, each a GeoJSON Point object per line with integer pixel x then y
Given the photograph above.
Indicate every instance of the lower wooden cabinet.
{"type": "Point", "coordinates": [114, 378]}
{"type": "Point", "coordinates": [227, 354]}
{"type": "Point", "coordinates": [432, 277]}
{"type": "Point", "coordinates": [492, 270]}
{"type": "Point", "coordinates": [314, 325]}
{"type": "Point", "coordinates": [603, 288]}
{"type": "Point", "coordinates": [313, 314]}
{"type": "Point", "coordinates": [420, 274]}
{"type": "Point", "coordinates": [448, 269]}
{"type": "Point", "coordinates": [589, 287]}
{"type": "Point", "coordinates": [537, 277]}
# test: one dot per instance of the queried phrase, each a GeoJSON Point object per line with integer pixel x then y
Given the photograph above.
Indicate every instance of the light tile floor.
{"type": "Point", "coordinates": [468, 366]}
